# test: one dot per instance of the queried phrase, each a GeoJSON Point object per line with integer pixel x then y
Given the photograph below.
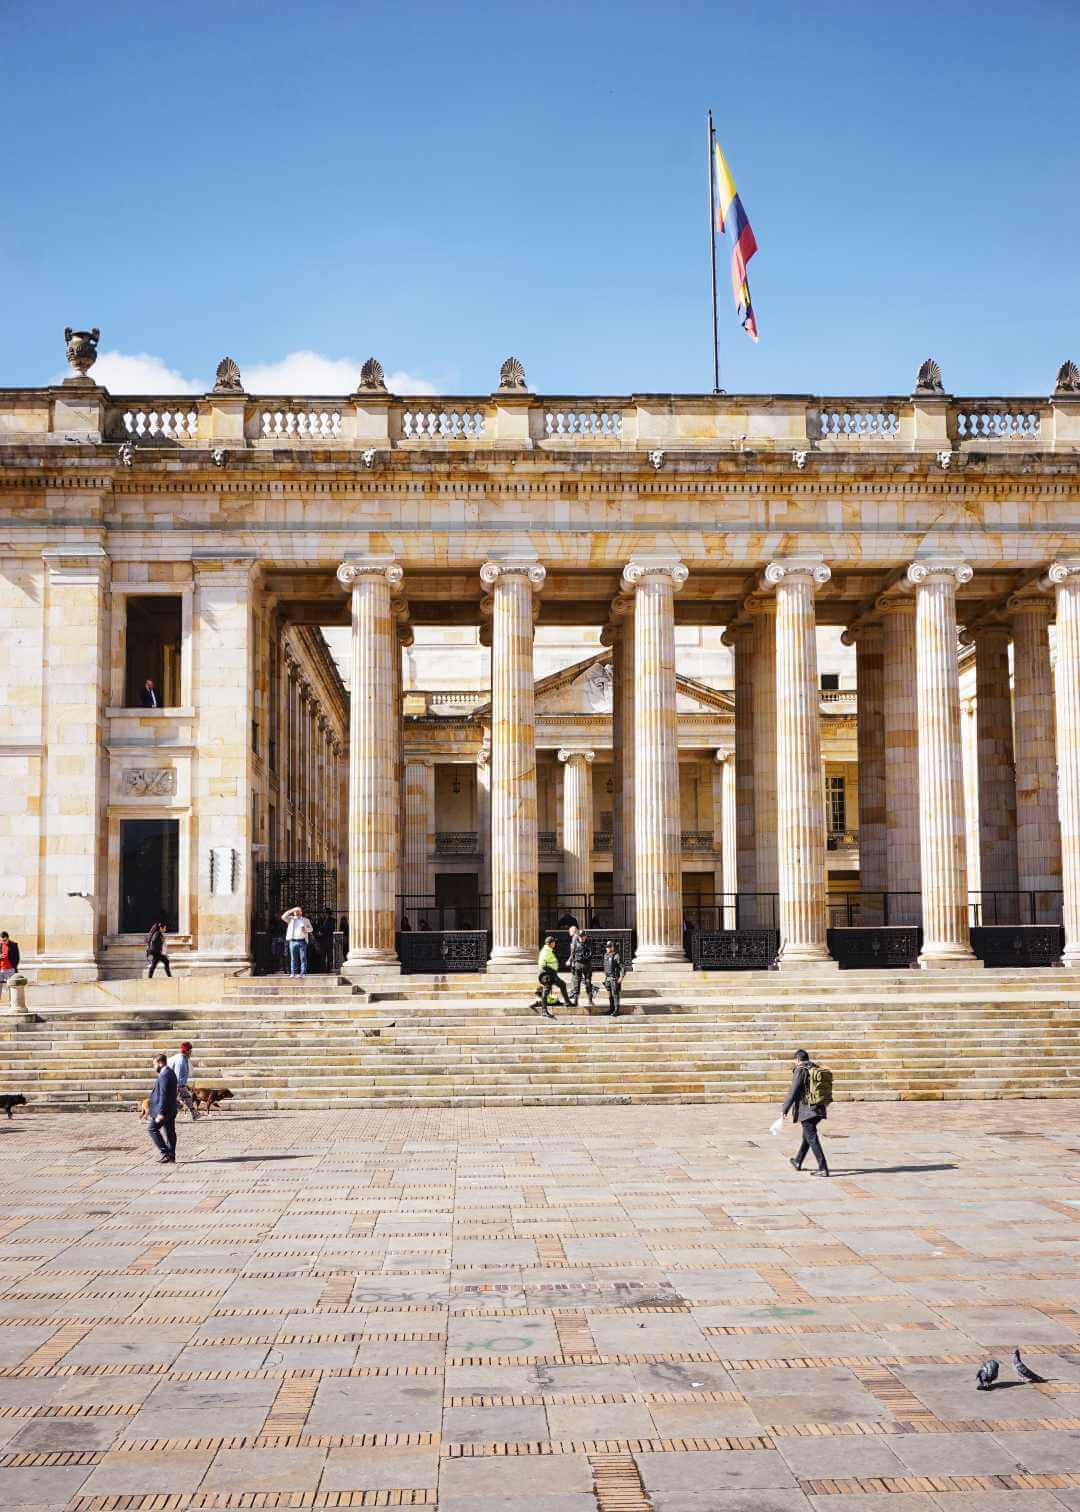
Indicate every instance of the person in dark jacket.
{"type": "Point", "coordinates": [155, 949]}
{"type": "Point", "coordinates": [806, 1114]}
{"type": "Point", "coordinates": [163, 1099]}
{"type": "Point", "coordinates": [581, 968]}
{"type": "Point", "coordinates": [148, 695]}
{"type": "Point", "coordinates": [9, 956]}
{"type": "Point", "coordinates": [613, 975]}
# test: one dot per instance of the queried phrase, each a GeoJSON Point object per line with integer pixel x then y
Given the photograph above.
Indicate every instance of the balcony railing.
{"type": "Point", "coordinates": [457, 843]}
{"type": "Point", "coordinates": [797, 426]}
{"type": "Point", "coordinates": [547, 843]}
{"type": "Point", "coordinates": [603, 840]}
{"type": "Point", "coordinates": [841, 840]}
{"type": "Point", "coordinates": [697, 841]}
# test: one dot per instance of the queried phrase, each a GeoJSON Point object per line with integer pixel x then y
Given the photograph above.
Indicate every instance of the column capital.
{"type": "Point", "coordinates": [491, 572]}
{"type": "Point", "coordinates": [1034, 598]}
{"type": "Point", "coordinates": [653, 564]}
{"type": "Point", "coordinates": [739, 629]}
{"type": "Point", "coordinates": [794, 569]}
{"type": "Point", "coordinates": [355, 568]}
{"type": "Point", "coordinates": [1064, 573]}
{"type": "Point", "coordinates": [725, 755]}
{"type": "Point", "coordinates": [568, 755]}
{"type": "Point", "coordinates": [421, 761]}
{"type": "Point", "coordinates": [896, 600]}
{"type": "Point", "coordinates": [939, 569]}
{"type": "Point", "coordinates": [404, 633]}
{"type": "Point", "coordinates": [863, 631]}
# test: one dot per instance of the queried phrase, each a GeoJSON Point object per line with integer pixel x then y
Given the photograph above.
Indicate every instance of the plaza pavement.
{"type": "Point", "coordinates": [547, 1309]}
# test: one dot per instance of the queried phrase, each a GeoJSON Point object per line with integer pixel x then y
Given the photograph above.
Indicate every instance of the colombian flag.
{"type": "Point", "coordinates": [731, 217]}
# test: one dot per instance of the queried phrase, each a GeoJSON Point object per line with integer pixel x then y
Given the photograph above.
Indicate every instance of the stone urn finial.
{"type": "Point", "coordinates": [512, 376]}
{"type": "Point", "coordinates": [227, 378]}
{"type": "Point", "coordinates": [1068, 379]}
{"type": "Point", "coordinates": [928, 378]}
{"type": "Point", "coordinates": [82, 349]}
{"type": "Point", "coordinates": [372, 376]}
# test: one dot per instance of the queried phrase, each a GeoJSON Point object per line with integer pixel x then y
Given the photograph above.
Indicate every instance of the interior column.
{"type": "Point", "coordinates": [1065, 577]}
{"type": "Point", "coordinates": [419, 880]}
{"type": "Point", "coordinates": [899, 724]}
{"type": "Point", "coordinates": [869, 640]}
{"type": "Point", "coordinates": [578, 827]}
{"type": "Point", "coordinates": [1038, 830]}
{"type": "Point", "coordinates": [996, 777]}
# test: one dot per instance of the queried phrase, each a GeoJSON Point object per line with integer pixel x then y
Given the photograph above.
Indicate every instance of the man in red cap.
{"type": "Point", "coordinates": [181, 1066]}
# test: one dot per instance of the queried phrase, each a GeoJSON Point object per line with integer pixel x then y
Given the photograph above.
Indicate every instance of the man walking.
{"type": "Point", "coordinates": [581, 967]}
{"type": "Point", "coordinates": [9, 957]}
{"type": "Point", "coordinates": [180, 1066]}
{"type": "Point", "coordinates": [804, 1112]}
{"type": "Point", "coordinates": [155, 949]}
{"type": "Point", "coordinates": [162, 1124]}
{"type": "Point", "coordinates": [613, 975]}
{"type": "Point", "coordinates": [298, 928]}
{"type": "Point", "coordinates": [548, 963]}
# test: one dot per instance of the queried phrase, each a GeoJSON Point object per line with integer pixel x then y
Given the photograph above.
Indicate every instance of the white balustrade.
{"type": "Point", "coordinates": [857, 425]}
{"type": "Point", "coordinates": [301, 424]}
{"type": "Point", "coordinates": [170, 424]}
{"type": "Point", "coordinates": [602, 424]}
{"type": "Point", "coordinates": [442, 424]}
{"type": "Point", "coordinates": [994, 424]}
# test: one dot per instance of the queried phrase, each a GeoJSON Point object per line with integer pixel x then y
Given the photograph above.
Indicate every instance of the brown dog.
{"type": "Point", "coordinates": [208, 1098]}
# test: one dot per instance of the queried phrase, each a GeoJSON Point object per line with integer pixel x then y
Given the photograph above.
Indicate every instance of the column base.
{"type": "Point", "coordinates": [966, 962]}
{"type": "Point", "coordinates": [512, 959]}
{"type": "Point", "coordinates": [659, 955]}
{"type": "Point", "coordinates": [807, 965]}
{"type": "Point", "coordinates": [361, 964]}
{"type": "Point", "coordinates": [1070, 960]}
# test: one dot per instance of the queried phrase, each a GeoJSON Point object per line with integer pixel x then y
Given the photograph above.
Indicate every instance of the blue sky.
{"type": "Point", "coordinates": [443, 185]}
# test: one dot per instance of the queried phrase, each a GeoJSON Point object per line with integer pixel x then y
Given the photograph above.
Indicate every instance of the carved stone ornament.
{"type": "Point", "coordinates": [126, 453]}
{"type": "Point", "coordinates": [348, 573]}
{"type": "Point", "coordinates": [372, 376]}
{"type": "Point", "coordinates": [799, 459]}
{"type": "Point", "coordinates": [657, 459]}
{"type": "Point", "coordinates": [567, 754]}
{"type": "Point", "coordinates": [928, 378]}
{"type": "Point", "coordinates": [227, 379]}
{"type": "Point", "coordinates": [491, 572]}
{"type": "Point", "coordinates": [920, 572]}
{"type": "Point", "coordinates": [1068, 379]}
{"type": "Point", "coordinates": [778, 572]}
{"type": "Point", "coordinates": [149, 782]}
{"type": "Point", "coordinates": [600, 687]}
{"type": "Point", "coordinates": [512, 375]}
{"type": "Point", "coordinates": [82, 349]}
{"type": "Point", "coordinates": [635, 572]}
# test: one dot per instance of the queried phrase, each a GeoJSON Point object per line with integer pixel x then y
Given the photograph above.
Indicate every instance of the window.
{"type": "Point", "coordinates": [837, 805]}
{"type": "Point", "coordinates": [830, 682]}
{"type": "Point", "coordinates": [153, 651]}
{"type": "Point", "coordinates": [149, 874]}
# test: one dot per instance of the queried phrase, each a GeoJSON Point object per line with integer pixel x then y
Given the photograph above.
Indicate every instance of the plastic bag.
{"type": "Point", "coordinates": [774, 1129]}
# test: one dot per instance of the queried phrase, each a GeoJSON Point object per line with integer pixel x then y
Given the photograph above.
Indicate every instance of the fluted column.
{"type": "Point", "coordinates": [373, 789]}
{"type": "Point", "coordinates": [741, 639]}
{"type": "Point", "coordinates": [1065, 577]}
{"type": "Point", "coordinates": [657, 829]}
{"type": "Point", "coordinates": [483, 823]}
{"type": "Point", "coordinates": [941, 776]}
{"type": "Point", "coordinates": [729, 822]}
{"type": "Point", "coordinates": [969, 748]}
{"type": "Point", "coordinates": [997, 776]}
{"type": "Point", "coordinates": [578, 824]}
{"type": "Point", "coordinates": [418, 881]}
{"type": "Point", "coordinates": [403, 637]}
{"type": "Point", "coordinates": [899, 721]}
{"type": "Point", "coordinates": [1038, 830]}
{"type": "Point", "coordinates": [762, 611]}
{"type": "Point", "coordinates": [514, 858]}
{"type": "Point", "coordinates": [870, 680]}
{"type": "Point", "coordinates": [619, 635]}
{"type": "Point", "coordinates": [800, 774]}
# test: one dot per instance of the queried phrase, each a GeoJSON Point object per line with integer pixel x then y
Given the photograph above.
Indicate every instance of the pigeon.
{"type": "Point", "coordinates": [988, 1372]}
{"type": "Point", "coordinates": [1024, 1373]}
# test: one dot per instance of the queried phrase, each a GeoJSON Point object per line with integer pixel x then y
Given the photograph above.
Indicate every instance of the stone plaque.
{"type": "Point", "coordinates": [150, 782]}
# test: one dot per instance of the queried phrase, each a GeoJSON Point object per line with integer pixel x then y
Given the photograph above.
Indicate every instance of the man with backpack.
{"type": "Point", "coordinates": [807, 1101]}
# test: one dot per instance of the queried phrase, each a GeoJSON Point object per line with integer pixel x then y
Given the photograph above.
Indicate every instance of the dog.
{"type": "Point", "coordinates": [11, 1100]}
{"type": "Point", "coordinates": [208, 1098]}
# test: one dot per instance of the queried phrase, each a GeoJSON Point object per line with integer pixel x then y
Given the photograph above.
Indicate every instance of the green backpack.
{"type": "Point", "coordinates": [819, 1085]}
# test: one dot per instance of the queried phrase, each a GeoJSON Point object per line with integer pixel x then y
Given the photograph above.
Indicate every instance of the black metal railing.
{"type": "Point", "coordinates": [870, 910]}
{"type": "Point", "coordinates": [743, 910]}
{"type": "Point", "coordinates": [1026, 906]}
{"type": "Point", "coordinates": [424, 913]}
{"type": "Point", "coordinates": [457, 842]}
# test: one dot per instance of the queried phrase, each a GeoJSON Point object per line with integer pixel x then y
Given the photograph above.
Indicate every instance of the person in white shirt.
{"type": "Point", "coordinates": [297, 929]}
{"type": "Point", "coordinates": [180, 1066]}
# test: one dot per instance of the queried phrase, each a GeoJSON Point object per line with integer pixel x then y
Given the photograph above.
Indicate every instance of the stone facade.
{"type": "Point", "coordinates": [231, 518]}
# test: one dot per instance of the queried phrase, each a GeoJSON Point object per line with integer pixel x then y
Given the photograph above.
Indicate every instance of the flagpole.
{"type": "Point", "coordinates": [712, 256]}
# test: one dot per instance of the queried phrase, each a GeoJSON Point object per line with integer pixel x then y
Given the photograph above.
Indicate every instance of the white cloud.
{"type": "Point", "coordinates": [312, 373]}
{"type": "Point", "coordinates": [139, 373]}
{"type": "Point", "coordinates": [297, 373]}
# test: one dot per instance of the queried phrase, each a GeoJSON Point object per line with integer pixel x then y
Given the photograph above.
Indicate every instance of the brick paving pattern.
{"type": "Point", "coordinates": [553, 1310]}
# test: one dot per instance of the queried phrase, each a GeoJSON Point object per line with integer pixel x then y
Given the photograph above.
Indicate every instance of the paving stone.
{"type": "Point", "coordinates": [265, 1469]}
{"type": "Point", "coordinates": [383, 1468]}
{"type": "Point", "coordinates": [45, 1489]}
{"type": "Point", "coordinates": [161, 1473]}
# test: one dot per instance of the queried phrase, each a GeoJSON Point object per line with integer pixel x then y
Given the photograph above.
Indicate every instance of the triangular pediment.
{"type": "Point", "coordinates": [585, 688]}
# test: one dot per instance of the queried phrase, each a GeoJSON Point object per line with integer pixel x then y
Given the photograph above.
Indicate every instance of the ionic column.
{"type": "Point", "coordinates": [941, 774]}
{"type": "Point", "coordinates": [515, 914]}
{"type": "Point", "coordinates": [869, 642]}
{"type": "Point", "coordinates": [483, 822]}
{"type": "Point", "coordinates": [1065, 577]}
{"type": "Point", "coordinates": [899, 723]}
{"type": "Point", "coordinates": [419, 786]}
{"type": "Point", "coordinates": [404, 637]}
{"type": "Point", "coordinates": [969, 750]}
{"type": "Point", "coordinates": [657, 830]}
{"type": "Point", "coordinates": [729, 821]}
{"type": "Point", "coordinates": [619, 635]}
{"type": "Point", "coordinates": [373, 789]}
{"type": "Point", "coordinates": [578, 823]}
{"type": "Point", "coordinates": [741, 639]}
{"type": "Point", "coordinates": [1038, 830]}
{"type": "Point", "coordinates": [997, 775]}
{"type": "Point", "coordinates": [800, 774]}
{"type": "Point", "coordinates": [762, 611]}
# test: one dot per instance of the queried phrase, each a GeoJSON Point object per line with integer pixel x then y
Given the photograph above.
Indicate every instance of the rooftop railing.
{"type": "Point", "coordinates": [800, 426]}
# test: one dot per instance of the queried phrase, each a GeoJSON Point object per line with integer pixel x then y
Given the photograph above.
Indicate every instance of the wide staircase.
{"type": "Point", "coordinates": [474, 1041]}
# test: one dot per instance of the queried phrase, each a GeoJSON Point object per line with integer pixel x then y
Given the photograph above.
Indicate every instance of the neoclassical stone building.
{"type": "Point", "coordinates": [207, 537]}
